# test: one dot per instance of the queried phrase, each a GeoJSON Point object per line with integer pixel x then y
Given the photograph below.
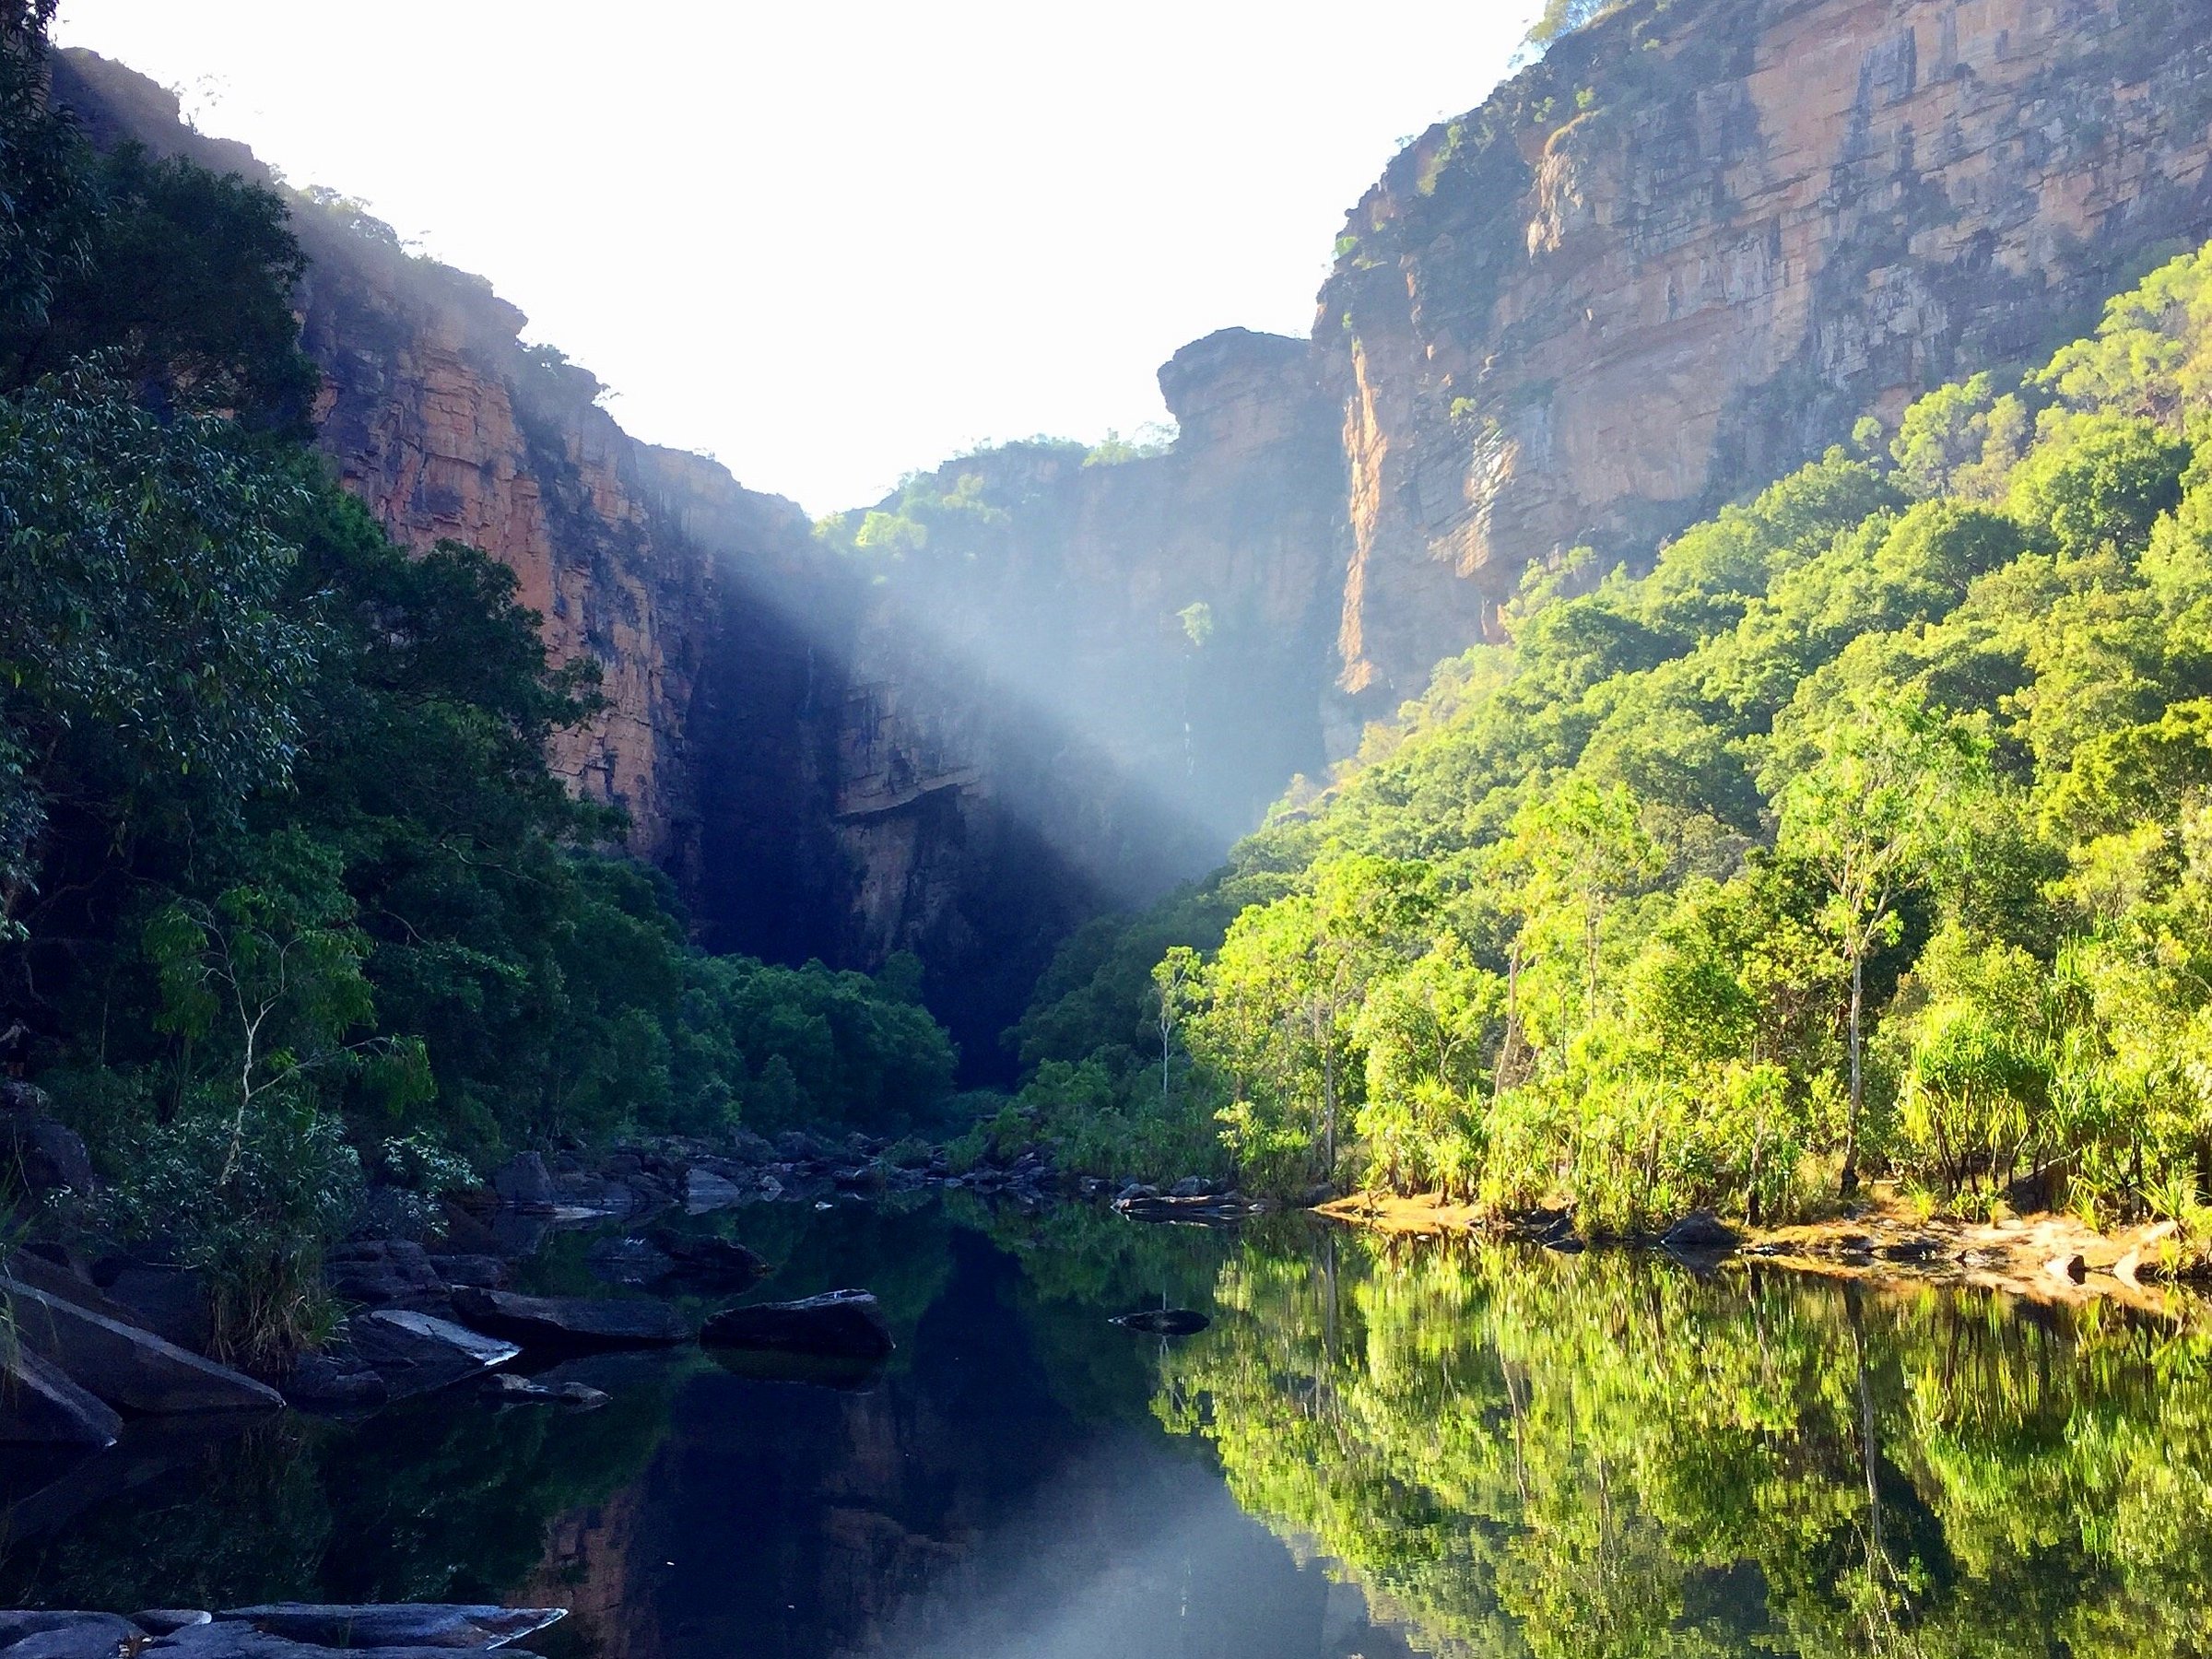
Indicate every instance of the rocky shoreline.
{"type": "Point", "coordinates": [101, 1334]}
{"type": "Point", "coordinates": [2045, 1258]}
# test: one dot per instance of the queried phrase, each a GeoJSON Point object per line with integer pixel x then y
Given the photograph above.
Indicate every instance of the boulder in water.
{"type": "Point", "coordinates": [1701, 1233]}
{"type": "Point", "coordinates": [523, 1183]}
{"type": "Point", "coordinates": [843, 1323]}
{"type": "Point", "coordinates": [1165, 1322]}
{"type": "Point", "coordinates": [415, 1352]}
{"type": "Point", "coordinates": [568, 1321]}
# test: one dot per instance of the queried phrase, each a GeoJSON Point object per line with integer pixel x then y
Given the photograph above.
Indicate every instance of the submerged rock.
{"type": "Point", "coordinates": [630, 1261]}
{"type": "Point", "coordinates": [415, 1353]}
{"type": "Point", "coordinates": [709, 1261]}
{"type": "Point", "coordinates": [334, 1381]}
{"type": "Point", "coordinates": [1165, 1322]}
{"type": "Point", "coordinates": [845, 1323]}
{"type": "Point", "coordinates": [123, 1365]}
{"type": "Point", "coordinates": [506, 1388]}
{"type": "Point", "coordinates": [571, 1322]}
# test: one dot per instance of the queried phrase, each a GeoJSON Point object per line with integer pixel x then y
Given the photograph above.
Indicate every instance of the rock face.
{"type": "Point", "coordinates": [1091, 678]}
{"type": "Point", "coordinates": [1692, 245]}
{"type": "Point", "coordinates": [829, 765]}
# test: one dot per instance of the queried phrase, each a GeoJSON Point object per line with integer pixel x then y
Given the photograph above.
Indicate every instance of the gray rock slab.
{"type": "Point", "coordinates": [394, 1624]}
{"type": "Point", "coordinates": [415, 1353]}
{"type": "Point", "coordinates": [40, 1406]}
{"type": "Point", "coordinates": [576, 1323]}
{"type": "Point", "coordinates": [126, 1366]}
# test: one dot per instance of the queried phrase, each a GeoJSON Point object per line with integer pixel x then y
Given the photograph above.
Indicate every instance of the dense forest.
{"type": "Point", "coordinates": [289, 907]}
{"type": "Point", "coordinates": [1864, 834]}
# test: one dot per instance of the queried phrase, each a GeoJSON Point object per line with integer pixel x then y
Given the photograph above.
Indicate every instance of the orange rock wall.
{"type": "Point", "coordinates": [1691, 246]}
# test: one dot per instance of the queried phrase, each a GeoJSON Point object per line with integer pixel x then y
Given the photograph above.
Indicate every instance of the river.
{"type": "Point", "coordinates": [1374, 1450]}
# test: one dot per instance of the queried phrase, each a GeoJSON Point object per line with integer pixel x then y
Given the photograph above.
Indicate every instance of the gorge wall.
{"type": "Point", "coordinates": [1680, 253]}
{"type": "Point", "coordinates": [1687, 249]}
{"type": "Point", "coordinates": [962, 754]}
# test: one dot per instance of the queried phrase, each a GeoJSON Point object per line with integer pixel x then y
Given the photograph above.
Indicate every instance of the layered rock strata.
{"type": "Point", "coordinates": [1687, 250]}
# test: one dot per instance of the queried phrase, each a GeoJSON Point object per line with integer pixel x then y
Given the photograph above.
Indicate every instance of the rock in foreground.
{"type": "Point", "coordinates": [123, 1365]}
{"type": "Point", "coordinates": [395, 1624]}
{"type": "Point", "coordinates": [840, 1324]}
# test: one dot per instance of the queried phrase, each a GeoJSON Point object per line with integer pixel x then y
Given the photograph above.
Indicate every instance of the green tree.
{"type": "Point", "coordinates": [1882, 806]}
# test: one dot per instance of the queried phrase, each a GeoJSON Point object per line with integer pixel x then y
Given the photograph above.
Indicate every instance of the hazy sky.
{"type": "Point", "coordinates": [830, 242]}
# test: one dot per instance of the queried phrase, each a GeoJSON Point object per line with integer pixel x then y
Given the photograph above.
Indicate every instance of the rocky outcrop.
{"type": "Point", "coordinates": [1697, 241]}
{"type": "Point", "coordinates": [1088, 678]}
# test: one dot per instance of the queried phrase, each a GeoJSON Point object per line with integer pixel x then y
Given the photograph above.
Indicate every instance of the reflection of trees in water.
{"type": "Point", "coordinates": [1520, 1453]}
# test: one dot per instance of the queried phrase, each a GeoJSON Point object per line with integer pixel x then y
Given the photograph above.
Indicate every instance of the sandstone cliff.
{"type": "Point", "coordinates": [1106, 671]}
{"type": "Point", "coordinates": [1689, 247]}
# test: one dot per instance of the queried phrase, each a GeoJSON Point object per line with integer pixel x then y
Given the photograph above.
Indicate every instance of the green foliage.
{"type": "Point", "coordinates": [288, 897]}
{"type": "Point", "coordinates": [1865, 831]}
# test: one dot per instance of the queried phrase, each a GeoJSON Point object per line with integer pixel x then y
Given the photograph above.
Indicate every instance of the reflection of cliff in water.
{"type": "Point", "coordinates": [962, 1506]}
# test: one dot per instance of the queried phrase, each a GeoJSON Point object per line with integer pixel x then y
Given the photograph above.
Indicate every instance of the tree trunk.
{"type": "Point", "coordinates": [1328, 1113]}
{"type": "Point", "coordinates": [1858, 1095]}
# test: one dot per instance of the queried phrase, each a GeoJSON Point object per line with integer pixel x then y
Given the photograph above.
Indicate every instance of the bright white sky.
{"type": "Point", "coordinates": [832, 242]}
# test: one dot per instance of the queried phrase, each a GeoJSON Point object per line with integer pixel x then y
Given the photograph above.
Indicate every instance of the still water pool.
{"type": "Point", "coordinates": [1374, 1450]}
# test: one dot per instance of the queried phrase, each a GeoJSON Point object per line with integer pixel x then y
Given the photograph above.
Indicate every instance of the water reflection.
{"type": "Point", "coordinates": [1454, 1450]}
{"type": "Point", "coordinates": [1519, 1453]}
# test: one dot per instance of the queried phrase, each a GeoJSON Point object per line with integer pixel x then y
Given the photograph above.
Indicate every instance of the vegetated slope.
{"type": "Point", "coordinates": [290, 904]}
{"type": "Point", "coordinates": [1923, 731]}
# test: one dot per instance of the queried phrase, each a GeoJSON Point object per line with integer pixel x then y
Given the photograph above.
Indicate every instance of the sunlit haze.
{"type": "Point", "coordinates": [831, 243]}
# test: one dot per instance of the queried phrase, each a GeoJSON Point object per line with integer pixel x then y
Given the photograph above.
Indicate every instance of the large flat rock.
{"type": "Point", "coordinates": [575, 1323]}
{"type": "Point", "coordinates": [841, 1324]}
{"type": "Point", "coordinates": [123, 1365]}
{"type": "Point", "coordinates": [395, 1624]}
{"type": "Point", "coordinates": [232, 1639]}
{"type": "Point", "coordinates": [66, 1635]}
{"type": "Point", "coordinates": [414, 1353]}
{"type": "Point", "coordinates": [40, 1406]}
